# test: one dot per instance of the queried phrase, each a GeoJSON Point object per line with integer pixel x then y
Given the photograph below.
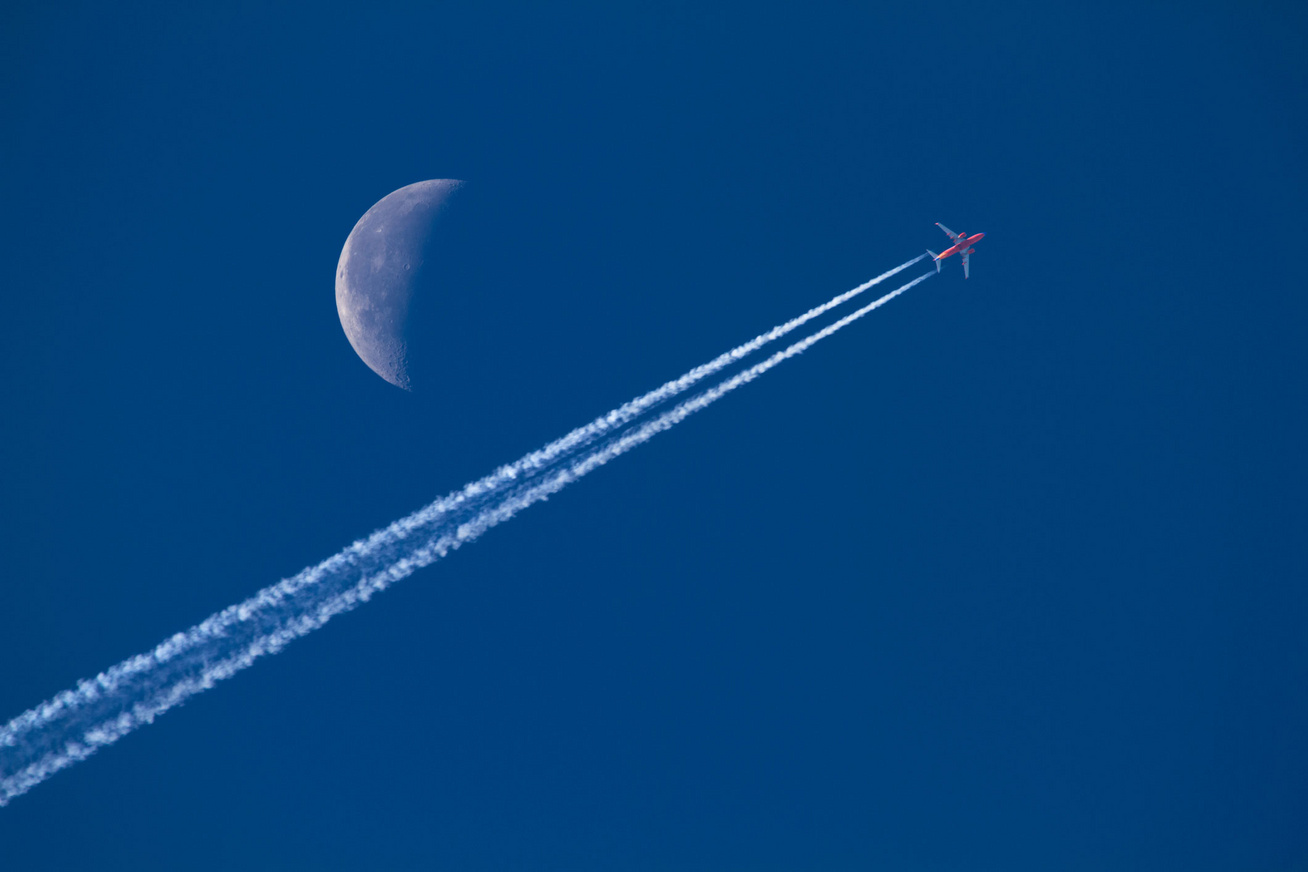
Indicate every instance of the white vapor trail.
{"type": "Point", "coordinates": [74, 724]}
{"type": "Point", "coordinates": [475, 493]}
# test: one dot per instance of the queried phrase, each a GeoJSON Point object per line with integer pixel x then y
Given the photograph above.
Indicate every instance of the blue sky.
{"type": "Point", "coordinates": [1010, 575]}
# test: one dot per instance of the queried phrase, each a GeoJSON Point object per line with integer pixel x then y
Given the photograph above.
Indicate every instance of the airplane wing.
{"type": "Point", "coordinates": [951, 234]}
{"type": "Point", "coordinates": [966, 258]}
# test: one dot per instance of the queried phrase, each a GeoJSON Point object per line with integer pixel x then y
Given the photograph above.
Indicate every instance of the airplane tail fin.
{"type": "Point", "coordinates": [934, 257]}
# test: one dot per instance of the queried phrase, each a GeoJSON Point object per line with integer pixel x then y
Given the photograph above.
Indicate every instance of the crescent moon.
{"type": "Point", "coordinates": [380, 266]}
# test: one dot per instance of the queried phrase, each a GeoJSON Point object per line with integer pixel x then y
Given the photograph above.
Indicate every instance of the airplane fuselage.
{"type": "Point", "coordinates": [961, 246]}
{"type": "Point", "coordinates": [963, 243]}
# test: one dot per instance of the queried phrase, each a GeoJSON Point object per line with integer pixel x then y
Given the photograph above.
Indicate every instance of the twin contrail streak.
{"type": "Point", "coordinates": [74, 724]}
{"type": "Point", "coordinates": [361, 552]}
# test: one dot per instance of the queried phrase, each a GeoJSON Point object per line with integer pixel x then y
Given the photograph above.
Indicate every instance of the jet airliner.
{"type": "Point", "coordinates": [962, 246]}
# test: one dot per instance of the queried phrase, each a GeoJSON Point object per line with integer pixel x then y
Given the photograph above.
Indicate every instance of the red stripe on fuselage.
{"type": "Point", "coordinates": [961, 245]}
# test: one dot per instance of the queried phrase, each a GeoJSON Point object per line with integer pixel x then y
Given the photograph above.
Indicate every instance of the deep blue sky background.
{"type": "Point", "coordinates": [1011, 575]}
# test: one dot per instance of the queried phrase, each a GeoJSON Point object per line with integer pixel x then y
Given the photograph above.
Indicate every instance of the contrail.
{"type": "Point", "coordinates": [476, 493]}
{"type": "Point", "coordinates": [76, 723]}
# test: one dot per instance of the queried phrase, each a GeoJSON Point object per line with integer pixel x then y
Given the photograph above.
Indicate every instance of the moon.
{"type": "Point", "coordinates": [395, 245]}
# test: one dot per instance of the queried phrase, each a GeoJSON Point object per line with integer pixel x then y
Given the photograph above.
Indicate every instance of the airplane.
{"type": "Point", "coordinates": [962, 246]}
